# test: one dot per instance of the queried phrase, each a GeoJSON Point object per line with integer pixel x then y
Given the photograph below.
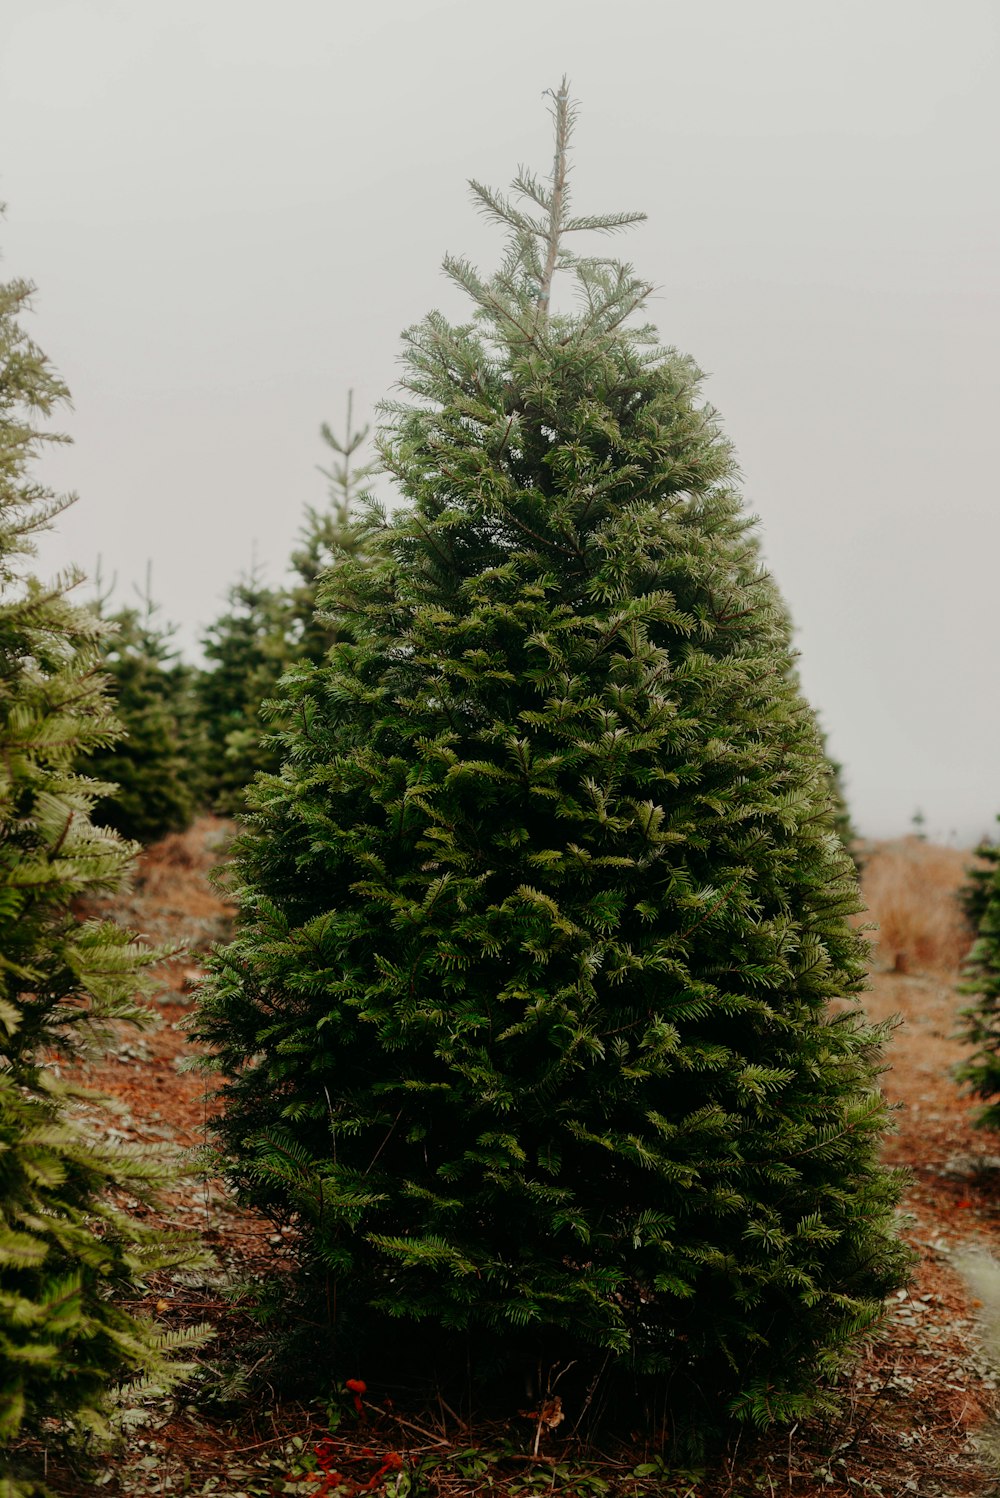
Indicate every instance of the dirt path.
{"type": "Point", "coordinates": [940, 1388]}
{"type": "Point", "coordinates": [918, 1406]}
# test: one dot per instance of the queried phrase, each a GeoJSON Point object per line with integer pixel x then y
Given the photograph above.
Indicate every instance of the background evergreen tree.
{"type": "Point", "coordinates": [64, 1249]}
{"type": "Point", "coordinates": [266, 630]}
{"type": "Point", "coordinates": [542, 917]}
{"type": "Point", "coordinates": [842, 821]}
{"type": "Point", "coordinates": [980, 899]}
{"type": "Point", "coordinates": [155, 764]}
{"type": "Point", "coordinates": [980, 882]}
{"type": "Point", "coordinates": [331, 535]}
{"type": "Point", "coordinates": [247, 650]}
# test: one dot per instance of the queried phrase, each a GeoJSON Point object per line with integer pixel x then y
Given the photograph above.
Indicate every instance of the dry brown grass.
{"type": "Point", "coordinates": [910, 888]}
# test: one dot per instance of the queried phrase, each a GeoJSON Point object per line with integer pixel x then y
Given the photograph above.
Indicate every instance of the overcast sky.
{"type": "Point", "coordinates": [231, 208]}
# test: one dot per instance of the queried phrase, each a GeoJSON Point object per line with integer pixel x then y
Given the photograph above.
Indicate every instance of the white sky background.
{"type": "Point", "coordinates": [232, 207]}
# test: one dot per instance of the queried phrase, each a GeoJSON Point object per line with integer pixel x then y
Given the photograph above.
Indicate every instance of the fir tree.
{"type": "Point", "coordinates": [843, 822]}
{"type": "Point", "coordinates": [247, 648]}
{"type": "Point", "coordinates": [331, 535]}
{"type": "Point", "coordinates": [980, 899]}
{"type": "Point", "coordinates": [543, 915]}
{"type": "Point", "coordinates": [980, 880]}
{"type": "Point", "coordinates": [64, 1249]}
{"type": "Point", "coordinates": [155, 763]}
{"type": "Point", "coordinates": [266, 630]}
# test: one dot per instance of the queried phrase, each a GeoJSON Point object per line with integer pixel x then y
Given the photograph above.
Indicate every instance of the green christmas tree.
{"type": "Point", "coordinates": [248, 648]}
{"type": "Point", "coordinates": [843, 822]}
{"type": "Point", "coordinates": [980, 899]}
{"type": "Point", "coordinates": [266, 630]}
{"type": "Point", "coordinates": [543, 915]}
{"type": "Point", "coordinates": [64, 1248]}
{"type": "Point", "coordinates": [155, 763]}
{"type": "Point", "coordinates": [331, 535]}
{"type": "Point", "coordinates": [980, 880]}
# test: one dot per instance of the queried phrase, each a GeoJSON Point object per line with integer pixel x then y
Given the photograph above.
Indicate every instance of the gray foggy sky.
{"type": "Point", "coordinates": [231, 208]}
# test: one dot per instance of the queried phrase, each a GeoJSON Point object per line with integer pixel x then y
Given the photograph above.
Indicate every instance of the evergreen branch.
{"type": "Point", "coordinates": [563, 117]}
{"type": "Point", "coordinates": [493, 205]}
{"type": "Point", "coordinates": [606, 223]}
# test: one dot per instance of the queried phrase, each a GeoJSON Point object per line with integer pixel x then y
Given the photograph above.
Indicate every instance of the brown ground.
{"type": "Point", "coordinates": [918, 1411]}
